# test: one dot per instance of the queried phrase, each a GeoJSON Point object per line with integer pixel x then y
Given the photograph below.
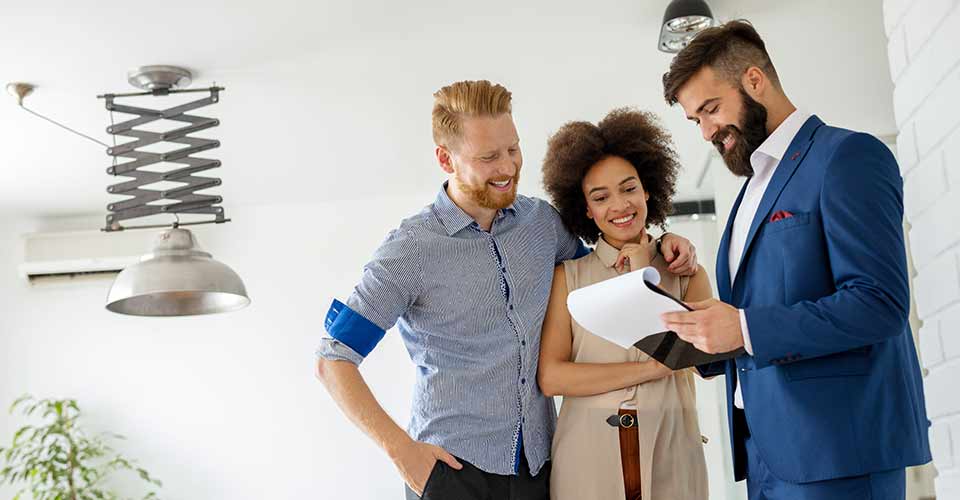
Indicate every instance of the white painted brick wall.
{"type": "Point", "coordinates": [920, 23]}
{"type": "Point", "coordinates": [927, 68]}
{"type": "Point", "coordinates": [931, 345]}
{"type": "Point", "coordinates": [940, 386]}
{"type": "Point", "coordinates": [924, 185]}
{"type": "Point", "coordinates": [949, 326]}
{"type": "Point", "coordinates": [941, 445]}
{"type": "Point", "coordinates": [923, 50]}
{"type": "Point", "coordinates": [907, 147]}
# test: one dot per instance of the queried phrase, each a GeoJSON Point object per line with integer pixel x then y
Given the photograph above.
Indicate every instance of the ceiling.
{"type": "Point", "coordinates": [330, 100]}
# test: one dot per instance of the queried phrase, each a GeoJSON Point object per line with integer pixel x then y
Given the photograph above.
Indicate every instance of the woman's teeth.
{"type": "Point", "coordinates": [623, 220]}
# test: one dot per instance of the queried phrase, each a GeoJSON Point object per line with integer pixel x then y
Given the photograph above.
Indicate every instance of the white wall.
{"type": "Point", "coordinates": [923, 37]}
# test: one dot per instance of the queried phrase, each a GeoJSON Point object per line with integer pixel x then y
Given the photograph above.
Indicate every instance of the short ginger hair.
{"type": "Point", "coordinates": [464, 99]}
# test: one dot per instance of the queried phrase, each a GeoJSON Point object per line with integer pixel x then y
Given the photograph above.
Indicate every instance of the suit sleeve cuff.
{"type": "Point", "coordinates": [747, 345]}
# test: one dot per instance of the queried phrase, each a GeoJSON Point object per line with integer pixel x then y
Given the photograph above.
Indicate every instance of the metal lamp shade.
{"type": "Point", "coordinates": [682, 21]}
{"type": "Point", "coordinates": [177, 279]}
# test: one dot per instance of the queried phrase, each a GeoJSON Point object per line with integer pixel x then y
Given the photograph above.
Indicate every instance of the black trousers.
{"type": "Point", "coordinates": [471, 483]}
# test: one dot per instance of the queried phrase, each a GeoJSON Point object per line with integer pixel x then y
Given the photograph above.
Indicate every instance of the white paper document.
{"type": "Point", "coordinates": [624, 309]}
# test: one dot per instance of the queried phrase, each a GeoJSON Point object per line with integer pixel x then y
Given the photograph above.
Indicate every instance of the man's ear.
{"type": "Point", "coordinates": [444, 159]}
{"type": "Point", "coordinates": [754, 82]}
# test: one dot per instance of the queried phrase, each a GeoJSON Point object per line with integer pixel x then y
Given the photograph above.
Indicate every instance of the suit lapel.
{"type": "Point", "coordinates": [788, 165]}
{"type": "Point", "coordinates": [723, 254]}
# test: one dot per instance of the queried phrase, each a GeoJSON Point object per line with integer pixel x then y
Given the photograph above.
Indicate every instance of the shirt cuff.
{"type": "Point", "coordinates": [332, 349]}
{"type": "Point", "coordinates": [352, 328]}
{"type": "Point", "coordinates": [747, 345]}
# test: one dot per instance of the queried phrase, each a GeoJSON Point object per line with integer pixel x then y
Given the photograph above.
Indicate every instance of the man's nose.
{"type": "Point", "coordinates": [507, 167]}
{"type": "Point", "coordinates": [708, 130]}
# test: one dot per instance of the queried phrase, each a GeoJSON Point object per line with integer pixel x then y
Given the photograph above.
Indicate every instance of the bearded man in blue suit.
{"type": "Point", "coordinates": [826, 399]}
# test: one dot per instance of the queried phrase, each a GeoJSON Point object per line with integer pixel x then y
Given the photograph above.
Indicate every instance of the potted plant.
{"type": "Point", "coordinates": [57, 460]}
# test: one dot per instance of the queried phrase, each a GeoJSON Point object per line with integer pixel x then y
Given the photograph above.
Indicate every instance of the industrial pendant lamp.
{"type": "Point", "coordinates": [176, 278]}
{"type": "Point", "coordinates": [682, 21]}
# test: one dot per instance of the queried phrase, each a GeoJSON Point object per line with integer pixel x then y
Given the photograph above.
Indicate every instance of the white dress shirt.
{"type": "Point", "coordinates": [764, 162]}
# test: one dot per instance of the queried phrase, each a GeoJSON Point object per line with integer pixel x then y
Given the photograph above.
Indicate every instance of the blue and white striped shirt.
{"type": "Point", "coordinates": [469, 305]}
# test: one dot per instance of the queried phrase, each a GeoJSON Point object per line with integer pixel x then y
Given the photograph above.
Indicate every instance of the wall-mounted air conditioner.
{"type": "Point", "coordinates": [81, 255]}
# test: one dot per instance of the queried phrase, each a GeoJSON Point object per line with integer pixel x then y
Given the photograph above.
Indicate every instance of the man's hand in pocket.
{"type": "Point", "coordinates": [415, 461]}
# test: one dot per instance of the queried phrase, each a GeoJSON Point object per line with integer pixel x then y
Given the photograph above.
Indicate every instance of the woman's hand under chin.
{"type": "Point", "coordinates": [634, 256]}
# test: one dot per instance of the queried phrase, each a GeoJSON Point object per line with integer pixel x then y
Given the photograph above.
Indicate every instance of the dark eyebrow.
{"type": "Point", "coordinates": [631, 178]}
{"type": "Point", "coordinates": [705, 104]}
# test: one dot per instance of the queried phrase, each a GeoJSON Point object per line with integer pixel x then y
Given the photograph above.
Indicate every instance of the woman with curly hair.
{"type": "Point", "coordinates": [628, 425]}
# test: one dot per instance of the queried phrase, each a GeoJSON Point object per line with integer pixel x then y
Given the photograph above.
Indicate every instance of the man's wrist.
{"type": "Point", "coordinates": [396, 444]}
{"type": "Point", "coordinates": [660, 242]}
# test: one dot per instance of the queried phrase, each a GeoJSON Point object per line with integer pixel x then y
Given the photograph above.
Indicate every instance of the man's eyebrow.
{"type": "Point", "coordinates": [705, 104]}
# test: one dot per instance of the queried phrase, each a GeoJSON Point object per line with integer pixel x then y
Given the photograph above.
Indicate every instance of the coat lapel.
{"type": "Point", "coordinates": [723, 254]}
{"type": "Point", "coordinates": [788, 165]}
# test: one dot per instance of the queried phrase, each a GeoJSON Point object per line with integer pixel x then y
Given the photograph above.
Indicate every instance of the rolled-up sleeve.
{"type": "Point", "coordinates": [390, 284]}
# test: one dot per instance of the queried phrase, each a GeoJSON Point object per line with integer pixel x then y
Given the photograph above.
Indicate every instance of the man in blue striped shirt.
{"type": "Point", "coordinates": [467, 281]}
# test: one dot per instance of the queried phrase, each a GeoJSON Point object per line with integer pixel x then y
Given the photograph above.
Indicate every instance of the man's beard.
{"type": "Point", "coordinates": [485, 196]}
{"type": "Point", "coordinates": [748, 136]}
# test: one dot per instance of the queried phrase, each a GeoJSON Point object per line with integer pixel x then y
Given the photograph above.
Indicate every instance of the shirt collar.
{"type": "Point", "coordinates": [453, 218]}
{"type": "Point", "coordinates": [775, 146]}
{"type": "Point", "coordinates": [608, 253]}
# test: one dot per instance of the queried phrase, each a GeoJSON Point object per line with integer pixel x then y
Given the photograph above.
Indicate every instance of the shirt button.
{"type": "Point", "coordinates": [523, 342]}
{"type": "Point", "coordinates": [503, 269]}
{"type": "Point", "coordinates": [511, 307]}
{"type": "Point", "coordinates": [523, 381]}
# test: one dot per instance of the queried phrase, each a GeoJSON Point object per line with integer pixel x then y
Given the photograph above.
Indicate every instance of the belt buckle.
{"type": "Point", "coordinates": [624, 421]}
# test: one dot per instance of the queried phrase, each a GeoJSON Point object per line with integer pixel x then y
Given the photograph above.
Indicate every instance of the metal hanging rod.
{"type": "Point", "coordinates": [158, 226]}
{"type": "Point", "coordinates": [158, 92]}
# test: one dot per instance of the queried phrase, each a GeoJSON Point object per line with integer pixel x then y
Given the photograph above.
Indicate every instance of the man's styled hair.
{"type": "Point", "coordinates": [466, 98]}
{"type": "Point", "coordinates": [730, 49]}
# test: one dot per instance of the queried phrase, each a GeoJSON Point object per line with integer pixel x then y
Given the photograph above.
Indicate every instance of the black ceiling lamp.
{"type": "Point", "coordinates": [682, 21]}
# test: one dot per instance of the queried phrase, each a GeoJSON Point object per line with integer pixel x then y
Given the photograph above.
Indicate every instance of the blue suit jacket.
{"type": "Point", "coordinates": [833, 388]}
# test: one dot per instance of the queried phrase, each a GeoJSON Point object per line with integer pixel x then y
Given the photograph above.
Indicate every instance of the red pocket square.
{"type": "Point", "coordinates": [780, 215]}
